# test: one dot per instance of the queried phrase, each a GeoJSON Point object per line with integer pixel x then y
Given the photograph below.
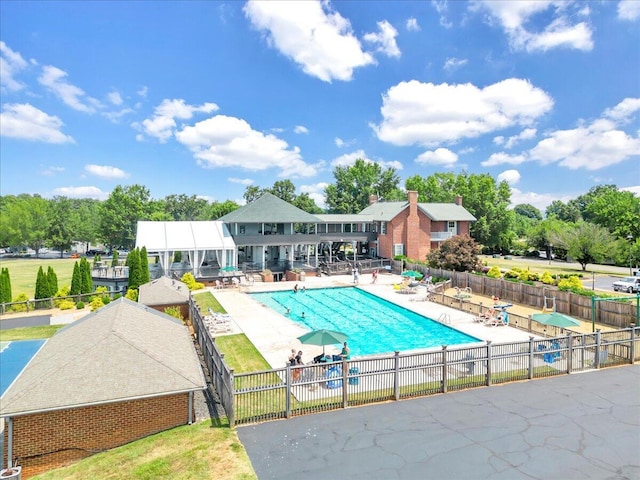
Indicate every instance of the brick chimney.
{"type": "Point", "coordinates": [373, 199]}
{"type": "Point", "coordinates": [458, 200]}
{"type": "Point", "coordinates": [412, 198]}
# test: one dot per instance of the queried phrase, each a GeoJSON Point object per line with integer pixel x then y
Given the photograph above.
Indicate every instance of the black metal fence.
{"type": "Point", "coordinates": [291, 391]}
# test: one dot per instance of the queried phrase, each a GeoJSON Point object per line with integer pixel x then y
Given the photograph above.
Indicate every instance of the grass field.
{"type": "Point", "coordinates": [24, 272]}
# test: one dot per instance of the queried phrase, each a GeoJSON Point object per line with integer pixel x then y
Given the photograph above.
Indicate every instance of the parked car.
{"type": "Point", "coordinates": [627, 284]}
{"type": "Point", "coordinates": [96, 251]}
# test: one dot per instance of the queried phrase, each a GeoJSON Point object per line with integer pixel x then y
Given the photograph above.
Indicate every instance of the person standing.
{"type": "Point", "coordinates": [346, 352]}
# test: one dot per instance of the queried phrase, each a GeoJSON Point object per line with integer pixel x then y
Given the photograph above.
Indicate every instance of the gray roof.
{"type": "Point", "coordinates": [163, 291]}
{"type": "Point", "coordinates": [120, 352]}
{"type": "Point", "coordinates": [271, 209]}
{"type": "Point", "coordinates": [386, 211]}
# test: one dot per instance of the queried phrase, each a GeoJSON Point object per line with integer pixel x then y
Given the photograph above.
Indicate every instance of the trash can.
{"type": "Point", "coordinates": [353, 380]}
{"type": "Point", "coordinates": [334, 373]}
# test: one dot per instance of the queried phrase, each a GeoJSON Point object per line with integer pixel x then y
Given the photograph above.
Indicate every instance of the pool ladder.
{"type": "Point", "coordinates": [444, 318]}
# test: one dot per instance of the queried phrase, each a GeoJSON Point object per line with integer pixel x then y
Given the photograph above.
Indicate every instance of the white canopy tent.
{"type": "Point", "coordinates": [210, 241]}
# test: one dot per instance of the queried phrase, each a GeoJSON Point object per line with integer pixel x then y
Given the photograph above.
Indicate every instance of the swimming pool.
{"type": "Point", "coordinates": [372, 324]}
{"type": "Point", "coordinates": [14, 356]}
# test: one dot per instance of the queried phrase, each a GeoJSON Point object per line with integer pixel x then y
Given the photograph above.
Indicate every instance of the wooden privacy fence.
{"type": "Point", "coordinates": [614, 313]}
{"type": "Point", "coordinates": [290, 391]}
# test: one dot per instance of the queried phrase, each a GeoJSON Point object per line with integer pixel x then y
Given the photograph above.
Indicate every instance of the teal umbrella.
{"type": "Point", "coordinates": [229, 268]}
{"type": "Point", "coordinates": [322, 337]}
{"type": "Point", "coordinates": [412, 274]}
{"type": "Point", "coordinates": [555, 319]}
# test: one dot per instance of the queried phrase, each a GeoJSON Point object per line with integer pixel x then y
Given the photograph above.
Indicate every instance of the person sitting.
{"type": "Point", "coordinates": [345, 353]}
{"type": "Point", "coordinates": [299, 358]}
{"type": "Point", "coordinates": [483, 317]}
{"type": "Point", "coordinates": [292, 358]}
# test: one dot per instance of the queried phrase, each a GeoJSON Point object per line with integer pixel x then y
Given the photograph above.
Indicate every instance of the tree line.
{"type": "Point", "coordinates": [602, 225]}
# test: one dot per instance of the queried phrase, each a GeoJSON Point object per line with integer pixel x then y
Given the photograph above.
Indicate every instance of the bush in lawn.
{"type": "Point", "coordinates": [144, 266]}
{"type": "Point", "coordinates": [190, 281]}
{"type": "Point", "coordinates": [494, 272]}
{"type": "Point", "coordinates": [66, 304]}
{"type": "Point", "coordinates": [5, 286]}
{"type": "Point", "coordinates": [547, 279]}
{"type": "Point", "coordinates": [96, 303]}
{"type": "Point", "coordinates": [80, 305]}
{"type": "Point", "coordinates": [570, 284]}
{"type": "Point", "coordinates": [114, 259]}
{"type": "Point", "coordinates": [53, 280]}
{"type": "Point", "coordinates": [63, 292]}
{"type": "Point", "coordinates": [106, 300]}
{"type": "Point", "coordinates": [22, 307]}
{"type": "Point", "coordinates": [511, 274]}
{"type": "Point", "coordinates": [76, 281]}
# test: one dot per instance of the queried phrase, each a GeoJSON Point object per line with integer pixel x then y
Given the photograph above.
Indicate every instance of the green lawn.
{"type": "Point", "coordinates": [29, 333]}
{"type": "Point", "coordinates": [24, 272]}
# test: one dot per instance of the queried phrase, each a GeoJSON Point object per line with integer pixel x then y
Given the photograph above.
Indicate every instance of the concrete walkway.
{"type": "Point", "coordinates": [581, 426]}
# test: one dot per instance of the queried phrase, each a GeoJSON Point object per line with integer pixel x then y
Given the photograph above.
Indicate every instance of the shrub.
{"type": "Point", "coordinates": [96, 303]}
{"type": "Point", "coordinates": [534, 276]}
{"type": "Point", "coordinates": [105, 300]}
{"type": "Point", "coordinates": [66, 304]}
{"type": "Point", "coordinates": [23, 306]}
{"type": "Point", "coordinates": [570, 284]}
{"type": "Point", "coordinates": [132, 294]}
{"type": "Point", "coordinates": [174, 312]}
{"type": "Point", "coordinates": [190, 281]}
{"type": "Point", "coordinates": [494, 272]}
{"type": "Point", "coordinates": [80, 305]}
{"type": "Point", "coordinates": [524, 275]}
{"type": "Point", "coordinates": [511, 274]}
{"type": "Point", "coordinates": [547, 278]}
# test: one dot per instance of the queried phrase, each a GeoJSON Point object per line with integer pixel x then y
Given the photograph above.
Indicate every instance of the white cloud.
{"type": "Point", "coordinates": [162, 125]}
{"type": "Point", "coordinates": [412, 25]}
{"type": "Point", "coordinates": [241, 181]}
{"type": "Point", "coordinates": [624, 110]}
{"type": "Point", "coordinates": [442, 8]}
{"type": "Point", "coordinates": [316, 193]}
{"type": "Point", "coordinates": [340, 143]}
{"type": "Point", "coordinates": [428, 114]}
{"type": "Point", "coordinates": [593, 146]}
{"type": "Point", "coordinates": [629, 10]}
{"type": "Point", "coordinates": [54, 79]}
{"type": "Point", "coordinates": [51, 171]}
{"type": "Point", "coordinates": [454, 63]}
{"type": "Point", "coordinates": [348, 159]}
{"type": "Point", "coordinates": [115, 116]}
{"type": "Point", "coordinates": [440, 156]}
{"type": "Point", "coordinates": [634, 189]}
{"type": "Point", "coordinates": [385, 39]}
{"type": "Point", "coordinates": [105, 171]}
{"type": "Point", "coordinates": [526, 134]}
{"type": "Point", "coordinates": [518, 19]}
{"type": "Point", "coordinates": [300, 129]}
{"type": "Point", "coordinates": [10, 64]}
{"type": "Point", "coordinates": [26, 122]}
{"type": "Point", "coordinates": [539, 200]}
{"type": "Point", "coordinates": [312, 34]}
{"type": "Point", "coordinates": [502, 158]}
{"type": "Point", "coordinates": [143, 91]}
{"type": "Point", "coordinates": [81, 192]}
{"type": "Point", "coordinates": [223, 141]}
{"type": "Point", "coordinates": [115, 98]}
{"type": "Point", "coordinates": [510, 176]}
{"type": "Point", "coordinates": [499, 140]}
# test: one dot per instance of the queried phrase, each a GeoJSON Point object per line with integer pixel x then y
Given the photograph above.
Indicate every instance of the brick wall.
{"type": "Point", "coordinates": [44, 441]}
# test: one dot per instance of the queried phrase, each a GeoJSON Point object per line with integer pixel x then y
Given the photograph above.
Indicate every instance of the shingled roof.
{"type": "Point", "coordinates": [271, 209]}
{"type": "Point", "coordinates": [120, 352]}
{"type": "Point", "coordinates": [163, 291]}
{"type": "Point", "coordinates": [386, 211]}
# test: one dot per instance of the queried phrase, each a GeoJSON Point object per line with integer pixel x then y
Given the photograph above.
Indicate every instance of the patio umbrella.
{"type": "Point", "coordinates": [412, 274]}
{"type": "Point", "coordinates": [555, 319]}
{"type": "Point", "coordinates": [322, 337]}
{"type": "Point", "coordinates": [229, 268]}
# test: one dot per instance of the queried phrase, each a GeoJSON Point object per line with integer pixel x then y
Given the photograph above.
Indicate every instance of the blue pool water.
{"type": "Point", "coordinates": [372, 324]}
{"type": "Point", "coordinates": [14, 356]}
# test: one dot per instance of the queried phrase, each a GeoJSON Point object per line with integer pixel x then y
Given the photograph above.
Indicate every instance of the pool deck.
{"type": "Point", "coordinates": [274, 335]}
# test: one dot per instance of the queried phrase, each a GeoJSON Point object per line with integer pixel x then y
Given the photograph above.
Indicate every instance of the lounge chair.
{"type": "Point", "coordinates": [488, 315]}
{"type": "Point", "coordinates": [502, 320]}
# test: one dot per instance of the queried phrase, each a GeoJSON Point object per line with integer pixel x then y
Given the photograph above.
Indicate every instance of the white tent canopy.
{"type": "Point", "coordinates": [201, 241]}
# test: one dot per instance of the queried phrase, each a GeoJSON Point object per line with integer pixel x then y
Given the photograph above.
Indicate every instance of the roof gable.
{"type": "Point", "coordinates": [437, 212]}
{"type": "Point", "coordinates": [122, 351]}
{"type": "Point", "coordinates": [163, 291]}
{"type": "Point", "coordinates": [269, 208]}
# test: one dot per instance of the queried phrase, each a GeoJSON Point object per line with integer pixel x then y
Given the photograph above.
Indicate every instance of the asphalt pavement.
{"type": "Point", "coordinates": [578, 426]}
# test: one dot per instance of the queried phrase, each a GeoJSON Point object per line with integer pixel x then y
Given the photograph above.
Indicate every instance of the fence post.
{"type": "Point", "coordinates": [597, 356]}
{"type": "Point", "coordinates": [488, 363]}
{"type": "Point", "coordinates": [569, 352]}
{"type": "Point", "coordinates": [632, 349]}
{"type": "Point", "coordinates": [345, 373]}
{"type": "Point", "coordinates": [444, 369]}
{"type": "Point", "coordinates": [530, 357]}
{"type": "Point", "coordinates": [396, 375]}
{"type": "Point", "coordinates": [287, 386]}
{"type": "Point", "coordinates": [232, 401]}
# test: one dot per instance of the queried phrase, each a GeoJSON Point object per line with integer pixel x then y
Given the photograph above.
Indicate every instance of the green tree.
{"type": "Point", "coordinates": [459, 253]}
{"type": "Point", "coordinates": [563, 211]}
{"type": "Point", "coordinates": [135, 272]}
{"type": "Point", "coordinates": [76, 280]}
{"type": "Point", "coordinates": [59, 227]}
{"type": "Point", "coordinates": [528, 211]}
{"type": "Point", "coordinates": [144, 266]}
{"type": "Point", "coordinates": [252, 193]}
{"type": "Point", "coordinates": [42, 288]}
{"type": "Point", "coordinates": [616, 210]}
{"type": "Point", "coordinates": [220, 209]}
{"type": "Point", "coordinates": [23, 221]}
{"type": "Point", "coordinates": [306, 203]}
{"type": "Point", "coordinates": [5, 286]}
{"type": "Point", "coordinates": [541, 236]}
{"type": "Point", "coordinates": [585, 242]}
{"type": "Point", "coordinates": [285, 190]}
{"type": "Point", "coordinates": [437, 188]}
{"type": "Point", "coordinates": [86, 282]}
{"type": "Point", "coordinates": [356, 183]}
{"type": "Point", "coordinates": [84, 220]}
{"type": "Point", "coordinates": [114, 258]}
{"type": "Point", "coordinates": [184, 208]}
{"type": "Point", "coordinates": [120, 214]}
{"type": "Point", "coordinates": [52, 278]}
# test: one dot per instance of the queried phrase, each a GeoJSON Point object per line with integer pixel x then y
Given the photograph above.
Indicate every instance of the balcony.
{"type": "Point", "coordinates": [441, 236]}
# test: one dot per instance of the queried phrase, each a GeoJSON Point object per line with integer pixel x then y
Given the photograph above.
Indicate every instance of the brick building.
{"type": "Point", "coordinates": [122, 373]}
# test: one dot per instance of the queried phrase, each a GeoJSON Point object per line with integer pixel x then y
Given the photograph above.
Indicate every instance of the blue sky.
{"type": "Point", "coordinates": [205, 98]}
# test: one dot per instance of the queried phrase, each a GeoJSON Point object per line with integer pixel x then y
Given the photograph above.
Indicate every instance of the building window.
{"type": "Point", "coordinates": [383, 228]}
{"type": "Point", "coordinates": [398, 249]}
{"type": "Point", "coordinates": [242, 229]}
